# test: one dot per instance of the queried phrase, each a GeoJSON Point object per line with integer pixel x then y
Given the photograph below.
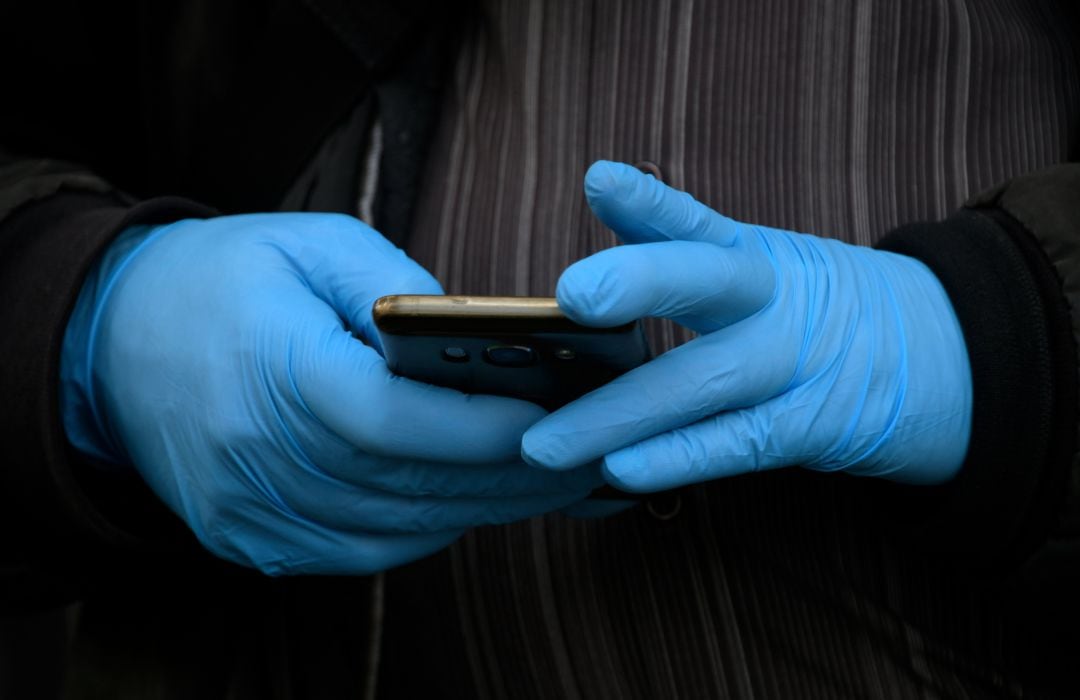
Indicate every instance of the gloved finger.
{"type": "Point", "coordinates": [748, 440]}
{"type": "Point", "coordinates": [343, 507]}
{"type": "Point", "coordinates": [640, 209]}
{"type": "Point", "coordinates": [297, 546]}
{"type": "Point", "coordinates": [735, 367]}
{"type": "Point", "coordinates": [411, 478]}
{"type": "Point", "coordinates": [700, 285]}
{"type": "Point", "coordinates": [349, 265]}
{"type": "Point", "coordinates": [347, 386]}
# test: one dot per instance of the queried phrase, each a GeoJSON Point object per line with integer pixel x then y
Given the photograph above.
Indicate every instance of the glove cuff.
{"type": "Point", "coordinates": [1016, 327]}
{"type": "Point", "coordinates": [85, 425]}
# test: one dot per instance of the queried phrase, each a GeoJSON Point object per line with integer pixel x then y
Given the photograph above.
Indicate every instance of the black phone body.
{"type": "Point", "coordinates": [523, 347]}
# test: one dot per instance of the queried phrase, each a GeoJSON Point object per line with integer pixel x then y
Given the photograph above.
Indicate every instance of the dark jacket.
{"type": "Point", "coordinates": [224, 110]}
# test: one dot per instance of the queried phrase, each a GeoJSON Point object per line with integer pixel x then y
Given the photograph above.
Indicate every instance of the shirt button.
{"type": "Point", "coordinates": [664, 506]}
{"type": "Point", "coordinates": [650, 168]}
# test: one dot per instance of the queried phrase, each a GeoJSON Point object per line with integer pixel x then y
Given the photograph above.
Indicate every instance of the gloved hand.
{"type": "Point", "coordinates": [812, 352]}
{"type": "Point", "coordinates": [216, 357]}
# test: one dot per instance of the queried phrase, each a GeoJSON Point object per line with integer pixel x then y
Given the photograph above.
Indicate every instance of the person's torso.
{"type": "Point", "coordinates": [839, 119]}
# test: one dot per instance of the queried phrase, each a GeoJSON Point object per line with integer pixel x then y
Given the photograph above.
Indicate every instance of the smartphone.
{"type": "Point", "coordinates": [524, 347]}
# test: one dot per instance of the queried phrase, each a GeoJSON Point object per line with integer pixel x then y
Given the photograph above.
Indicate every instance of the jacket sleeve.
{"type": "Point", "coordinates": [1010, 262]}
{"type": "Point", "coordinates": [60, 520]}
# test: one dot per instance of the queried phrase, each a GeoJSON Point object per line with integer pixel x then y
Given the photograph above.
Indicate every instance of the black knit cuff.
{"type": "Point", "coordinates": [55, 516]}
{"type": "Point", "coordinates": [1015, 320]}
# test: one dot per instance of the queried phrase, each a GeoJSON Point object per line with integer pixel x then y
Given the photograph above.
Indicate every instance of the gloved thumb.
{"type": "Point", "coordinates": [349, 265]}
{"type": "Point", "coordinates": [640, 209]}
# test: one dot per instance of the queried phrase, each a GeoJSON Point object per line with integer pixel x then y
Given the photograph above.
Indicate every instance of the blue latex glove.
{"type": "Point", "coordinates": [812, 352]}
{"type": "Point", "coordinates": [216, 357]}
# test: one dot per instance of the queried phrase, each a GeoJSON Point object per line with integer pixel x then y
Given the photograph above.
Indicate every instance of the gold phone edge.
{"type": "Point", "coordinates": [462, 306]}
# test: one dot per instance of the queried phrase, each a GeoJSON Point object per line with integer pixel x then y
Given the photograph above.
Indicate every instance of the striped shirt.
{"type": "Point", "coordinates": [839, 119]}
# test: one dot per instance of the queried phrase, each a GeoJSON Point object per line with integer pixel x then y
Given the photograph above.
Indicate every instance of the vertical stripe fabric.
{"type": "Point", "coordinates": [842, 119]}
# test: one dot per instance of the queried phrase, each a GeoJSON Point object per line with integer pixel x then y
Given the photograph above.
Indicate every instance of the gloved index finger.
{"type": "Point", "coordinates": [734, 367]}
{"type": "Point", "coordinates": [640, 209]}
{"type": "Point", "coordinates": [700, 285]}
{"type": "Point", "coordinates": [347, 385]}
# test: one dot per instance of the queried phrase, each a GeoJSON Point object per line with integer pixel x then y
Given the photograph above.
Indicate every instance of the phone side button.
{"type": "Point", "coordinates": [455, 354]}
